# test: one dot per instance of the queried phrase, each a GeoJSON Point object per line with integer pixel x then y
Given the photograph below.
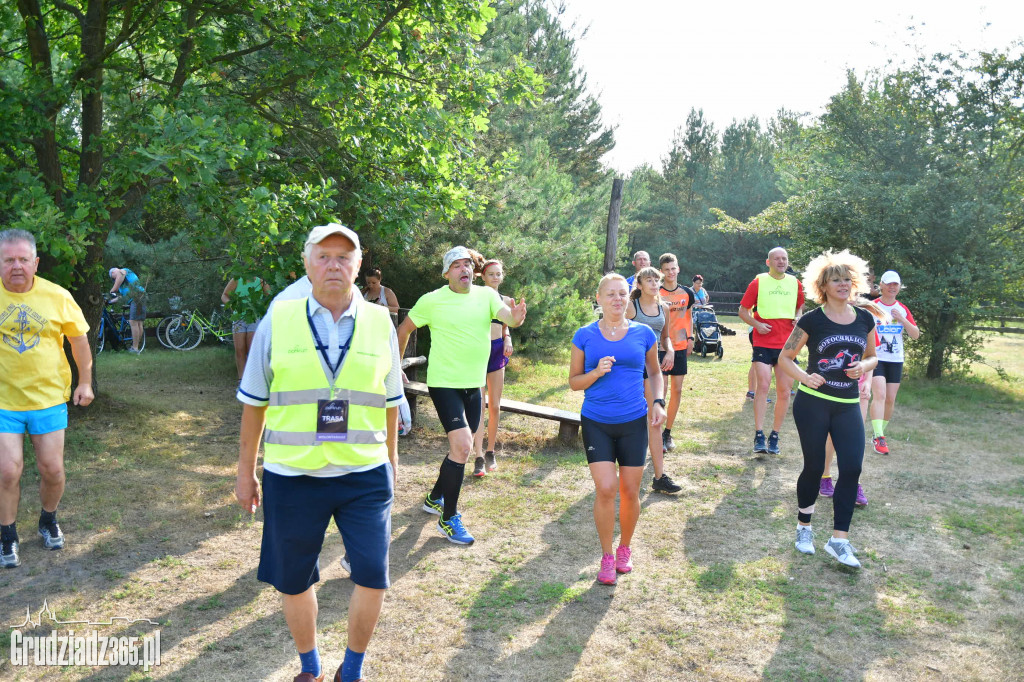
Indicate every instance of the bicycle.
{"type": "Point", "coordinates": [161, 328]}
{"type": "Point", "coordinates": [117, 328]}
{"type": "Point", "coordinates": [189, 330]}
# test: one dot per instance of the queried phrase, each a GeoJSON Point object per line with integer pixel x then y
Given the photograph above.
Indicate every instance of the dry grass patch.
{"type": "Point", "coordinates": [718, 591]}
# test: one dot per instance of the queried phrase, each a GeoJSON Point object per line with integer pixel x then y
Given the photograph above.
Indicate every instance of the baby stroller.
{"type": "Point", "coordinates": [707, 335]}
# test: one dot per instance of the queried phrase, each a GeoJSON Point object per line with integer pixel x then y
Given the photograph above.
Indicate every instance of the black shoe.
{"type": "Point", "coordinates": [667, 443]}
{"type": "Point", "coordinates": [773, 443]}
{"type": "Point", "coordinates": [760, 446]}
{"type": "Point", "coordinates": [490, 461]}
{"type": "Point", "coordinates": [665, 485]}
{"type": "Point", "coordinates": [478, 467]}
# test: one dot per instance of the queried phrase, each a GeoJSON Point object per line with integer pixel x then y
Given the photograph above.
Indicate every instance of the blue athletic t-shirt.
{"type": "Point", "coordinates": [618, 396]}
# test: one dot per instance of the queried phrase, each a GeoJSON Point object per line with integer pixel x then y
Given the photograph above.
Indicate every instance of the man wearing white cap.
{"type": "Point", "coordinates": [885, 382]}
{"type": "Point", "coordinates": [459, 316]}
{"type": "Point", "coordinates": [327, 391]}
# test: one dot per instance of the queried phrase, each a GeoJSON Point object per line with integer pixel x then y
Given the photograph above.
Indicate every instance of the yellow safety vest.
{"type": "Point", "coordinates": [776, 298]}
{"type": "Point", "coordinates": [299, 382]}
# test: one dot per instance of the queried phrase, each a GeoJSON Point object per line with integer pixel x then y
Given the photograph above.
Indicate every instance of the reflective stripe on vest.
{"type": "Point", "coordinates": [299, 382]}
{"type": "Point", "coordinates": [776, 298]}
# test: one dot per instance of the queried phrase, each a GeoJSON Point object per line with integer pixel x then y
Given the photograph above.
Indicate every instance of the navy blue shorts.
{"type": "Point", "coordinates": [457, 408]}
{"type": "Point", "coordinates": [296, 512]}
{"type": "Point", "coordinates": [625, 443]}
{"type": "Point", "coordinates": [767, 356]}
{"type": "Point", "coordinates": [892, 371]}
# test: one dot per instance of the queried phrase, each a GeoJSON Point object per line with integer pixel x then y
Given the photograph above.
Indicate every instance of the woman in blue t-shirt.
{"type": "Point", "coordinates": [607, 362]}
{"type": "Point", "coordinates": [840, 339]}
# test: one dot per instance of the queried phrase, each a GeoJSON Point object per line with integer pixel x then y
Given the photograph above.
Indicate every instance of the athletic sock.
{"type": "Point", "coordinates": [838, 540]}
{"type": "Point", "coordinates": [46, 518]}
{"type": "Point", "coordinates": [450, 482]}
{"type": "Point", "coordinates": [828, 476]}
{"type": "Point", "coordinates": [799, 526]}
{"type": "Point", "coordinates": [9, 533]}
{"type": "Point", "coordinates": [667, 432]}
{"type": "Point", "coordinates": [885, 425]}
{"type": "Point", "coordinates": [352, 666]}
{"type": "Point", "coordinates": [878, 426]}
{"type": "Point", "coordinates": [310, 662]}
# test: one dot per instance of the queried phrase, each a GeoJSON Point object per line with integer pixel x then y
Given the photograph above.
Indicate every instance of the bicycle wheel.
{"type": "Point", "coordinates": [185, 335]}
{"type": "Point", "coordinates": [101, 338]}
{"type": "Point", "coordinates": [161, 330]}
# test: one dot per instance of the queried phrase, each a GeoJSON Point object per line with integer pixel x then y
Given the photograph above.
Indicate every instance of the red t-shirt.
{"type": "Point", "coordinates": [781, 328]}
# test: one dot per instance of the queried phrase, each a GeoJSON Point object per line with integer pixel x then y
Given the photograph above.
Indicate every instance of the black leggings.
{"type": "Point", "coordinates": [816, 419]}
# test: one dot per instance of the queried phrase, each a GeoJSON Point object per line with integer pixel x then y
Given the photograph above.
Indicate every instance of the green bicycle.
{"type": "Point", "coordinates": [189, 329]}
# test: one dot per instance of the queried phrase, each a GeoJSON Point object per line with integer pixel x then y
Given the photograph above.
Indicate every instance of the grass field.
{"type": "Point", "coordinates": [718, 591]}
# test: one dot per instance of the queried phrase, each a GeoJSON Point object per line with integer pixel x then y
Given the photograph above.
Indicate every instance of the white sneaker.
{"type": "Point", "coordinates": [345, 563]}
{"type": "Point", "coordinates": [843, 552]}
{"type": "Point", "coordinates": [805, 539]}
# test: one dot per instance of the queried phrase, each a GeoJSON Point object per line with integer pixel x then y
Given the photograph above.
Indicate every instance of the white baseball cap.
{"type": "Point", "coordinates": [890, 276]}
{"type": "Point", "coordinates": [454, 254]}
{"type": "Point", "coordinates": [322, 232]}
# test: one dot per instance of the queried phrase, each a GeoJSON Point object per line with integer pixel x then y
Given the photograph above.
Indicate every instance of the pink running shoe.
{"type": "Point", "coordinates": [862, 499]}
{"type": "Point", "coordinates": [825, 488]}
{"type": "Point", "coordinates": [606, 576]}
{"type": "Point", "coordinates": [623, 562]}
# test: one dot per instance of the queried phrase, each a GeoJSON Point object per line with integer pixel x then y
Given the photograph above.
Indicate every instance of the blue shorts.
{"type": "Point", "coordinates": [36, 422]}
{"type": "Point", "coordinates": [296, 512]}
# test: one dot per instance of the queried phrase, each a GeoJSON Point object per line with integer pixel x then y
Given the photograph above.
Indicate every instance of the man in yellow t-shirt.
{"type": "Point", "coordinates": [35, 384]}
{"type": "Point", "coordinates": [459, 316]}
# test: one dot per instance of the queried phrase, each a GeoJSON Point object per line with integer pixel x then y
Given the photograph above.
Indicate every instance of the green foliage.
{"type": "Point", "coordinates": [257, 119]}
{"type": "Point", "coordinates": [916, 171]}
{"type": "Point", "coordinates": [704, 179]}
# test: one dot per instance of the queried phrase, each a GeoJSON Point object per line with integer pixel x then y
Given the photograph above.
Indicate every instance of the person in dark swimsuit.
{"type": "Point", "coordinates": [493, 274]}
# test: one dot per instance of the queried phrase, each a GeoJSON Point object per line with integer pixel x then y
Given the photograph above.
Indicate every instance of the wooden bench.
{"type": "Point", "coordinates": [569, 422]}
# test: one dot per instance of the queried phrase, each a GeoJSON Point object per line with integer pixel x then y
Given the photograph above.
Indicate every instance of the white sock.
{"type": "Point", "coordinates": [799, 526]}
{"type": "Point", "coordinates": [838, 541]}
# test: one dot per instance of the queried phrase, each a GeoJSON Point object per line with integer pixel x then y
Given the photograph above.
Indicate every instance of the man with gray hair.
{"type": "Point", "coordinates": [459, 316]}
{"type": "Point", "coordinates": [323, 392]}
{"type": "Point", "coordinates": [36, 316]}
{"type": "Point", "coordinates": [641, 260]}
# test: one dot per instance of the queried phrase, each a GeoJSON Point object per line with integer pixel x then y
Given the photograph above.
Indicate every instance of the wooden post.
{"type": "Point", "coordinates": [612, 236]}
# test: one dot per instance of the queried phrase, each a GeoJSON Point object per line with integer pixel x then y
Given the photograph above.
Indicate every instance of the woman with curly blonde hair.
{"type": "Point", "coordinates": [840, 339]}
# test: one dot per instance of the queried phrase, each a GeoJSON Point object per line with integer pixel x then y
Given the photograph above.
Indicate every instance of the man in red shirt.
{"type": "Point", "coordinates": [770, 305]}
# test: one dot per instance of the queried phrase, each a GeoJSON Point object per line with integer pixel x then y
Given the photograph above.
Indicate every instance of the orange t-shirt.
{"type": "Point", "coordinates": [680, 324]}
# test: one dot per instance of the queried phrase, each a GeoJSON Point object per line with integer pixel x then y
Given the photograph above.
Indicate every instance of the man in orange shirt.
{"type": "Point", "coordinates": [681, 299]}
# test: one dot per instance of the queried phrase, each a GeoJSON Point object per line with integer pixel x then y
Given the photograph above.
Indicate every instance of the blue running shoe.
{"type": "Point", "coordinates": [435, 507]}
{"type": "Point", "coordinates": [760, 446]}
{"type": "Point", "coordinates": [773, 443]}
{"type": "Point", "coordinates": [455, 531]}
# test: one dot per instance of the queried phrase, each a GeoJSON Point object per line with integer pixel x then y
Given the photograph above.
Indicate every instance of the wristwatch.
{"type": "Point", "coordinates": [659, 401]}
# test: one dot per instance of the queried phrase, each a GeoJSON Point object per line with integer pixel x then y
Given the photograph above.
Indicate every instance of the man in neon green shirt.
{"type": "Point", "coordinates": [459, 316]}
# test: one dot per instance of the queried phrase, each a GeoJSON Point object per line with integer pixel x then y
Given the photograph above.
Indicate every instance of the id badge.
{"type": "Point", "coordinates": [332, 421]}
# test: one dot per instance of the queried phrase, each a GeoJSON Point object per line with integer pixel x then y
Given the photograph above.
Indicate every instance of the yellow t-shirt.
{"type": "Point", "coordinates": [460, 334]}
{"type": "Point", "coordinates": [34, 372]}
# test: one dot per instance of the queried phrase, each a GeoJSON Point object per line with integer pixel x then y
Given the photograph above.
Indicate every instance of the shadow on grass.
{"type": "Point", "coordinates": [750, 578]}
{"type": "Point", "coordinates": [517, 598]}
